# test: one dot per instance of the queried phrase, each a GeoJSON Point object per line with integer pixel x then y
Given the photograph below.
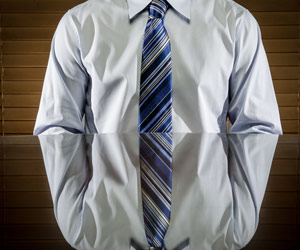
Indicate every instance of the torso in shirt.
{"type": "Point", "coordinates": [202, 60]}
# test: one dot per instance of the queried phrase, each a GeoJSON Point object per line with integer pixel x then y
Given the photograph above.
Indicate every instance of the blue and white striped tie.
{"type": "Point", "coordinates": [155, 103]}
{"type": "Point", "coordinates": [156, 185]}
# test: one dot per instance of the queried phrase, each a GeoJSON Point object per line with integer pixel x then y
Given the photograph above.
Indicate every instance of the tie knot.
{"type": "Point", "coordinates": [158, 8]}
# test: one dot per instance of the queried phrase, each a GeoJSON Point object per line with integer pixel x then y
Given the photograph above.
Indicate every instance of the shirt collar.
{"type": "Point", "coordinates": [181, 6]}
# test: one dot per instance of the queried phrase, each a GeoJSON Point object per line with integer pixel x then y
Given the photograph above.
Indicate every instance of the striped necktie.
{"type": "Point", "coordinates": [156, 185]}
{"type": "Point", "coordinates": [155, 104]}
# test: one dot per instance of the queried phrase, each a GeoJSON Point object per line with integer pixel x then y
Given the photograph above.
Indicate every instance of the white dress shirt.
{"type": "Point", "coordinates": [218, 185]}
{"type": "Point", "coordinates": [219, 64]}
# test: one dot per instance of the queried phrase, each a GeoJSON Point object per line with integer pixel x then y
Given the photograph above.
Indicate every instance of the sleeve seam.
{"type": "Point", "coordinates": [77, 43]}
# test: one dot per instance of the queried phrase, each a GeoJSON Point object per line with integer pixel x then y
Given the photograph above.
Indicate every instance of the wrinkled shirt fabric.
{"type": "Point", "coordinates": [219, 69]}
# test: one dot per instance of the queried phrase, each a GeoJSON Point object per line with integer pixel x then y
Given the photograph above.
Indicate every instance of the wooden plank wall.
{"type": "Point", "coordinates": [27, 27]}
{"type": "Point", "coordinates": [27, 214]}
{"type": "Point", "coordinates": [279, 214]}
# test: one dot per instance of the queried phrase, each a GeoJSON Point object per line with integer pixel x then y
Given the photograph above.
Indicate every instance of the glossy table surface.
{"type": "Point", "coordinates": [84, 192]}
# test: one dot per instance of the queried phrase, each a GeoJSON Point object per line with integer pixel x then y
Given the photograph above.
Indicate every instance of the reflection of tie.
{"type": "Point", "coordinates": [156, 185]}
{"type": "Point", "coordinates": [156, 83]}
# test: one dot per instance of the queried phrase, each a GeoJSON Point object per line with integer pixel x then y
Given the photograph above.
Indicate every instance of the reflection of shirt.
{"type": "Point", "coordinates": [219, 65]}
{"type": "Point", "coordinates": [217, 189]}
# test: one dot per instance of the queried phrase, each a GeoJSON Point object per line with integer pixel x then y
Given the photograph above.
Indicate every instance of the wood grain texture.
{"type": "Point", "coordinates": [21, 140]}
{"type": "Point", "coordinates": [33, 19]}
{"type": "Point", "coordinates": [19, 127]}
{"type": "Point", "coordinates": [30, 101]}
{"type": "Point", "coordinates": [19, 152]}
{"type": "Point", "coordinates": [280, 32]}
{"type": "Point", "coordinates": [287, 113]}
{"type": "Point", "coordinates": [32, 232]}
{"type": "Point", "coordinates": [35, 86]}
{"type": "Point", "coordinates": [280, 200]}
{"type": "Point", "coordinates": [278, 216]}
{"type": "Point", "coordinates": [27, 33]}
{"type": "Point", "coordinates": [290, 126]}
{"type": "Point", "coordinates": [23, 73]}
{"type": "Point", "coordinates": [270, 5]}
{"type": "Point", "coordinates": [24, 167]}
{"type": "Point", "coordinates": [26, 47]}
{"type": "Point", "coordinates": [287, 100]}
{"type": "Point", "coordinates": [286, 86]}
{"type": "Point", "coordinates": [38, 5]}
{"type": "Point", "coordinates": [284, 167]}
{"type": "Point", "coordinates": [27, 200]}
{"type": "Point", "coordinates": [271, 245]}
{"type": "Point", "coordinates": [26, 183]}
{"type": "Point", "coordinates": [38, 245]}
{"type": "Point", "coordinates": [22, 61]}
{"type": "Point", "coordinates": [285, 72]}
{"type": "Point", "coordinates": [276, 18]}
{"type": "Point", "coordinates": [278, 232]}
{"type": "Point", "coordinates": [23, 114]}
{"type": "Point", "coordinates": [29, 216]}
{"type": "Point", "coordinates": [281, 45]}
{"type": "Point", "coordinates": [282, 183]}
{"type": "Point", "coordinates": [281, 59]}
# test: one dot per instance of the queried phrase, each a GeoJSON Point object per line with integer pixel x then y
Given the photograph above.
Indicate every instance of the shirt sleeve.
{"type": "Point", "coordinates": [252, 102]}
{"type": "Point", "coordinates": [63, 98]}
